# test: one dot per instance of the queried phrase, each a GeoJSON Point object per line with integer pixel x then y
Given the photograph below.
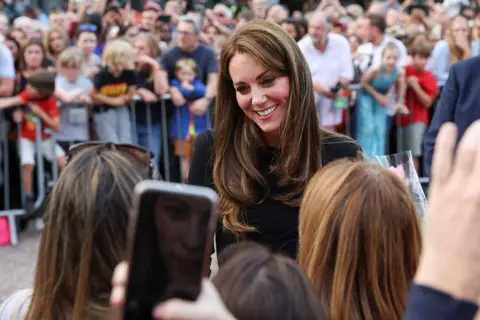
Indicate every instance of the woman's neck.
{"type": "Point", "coordinates": [30, 70]}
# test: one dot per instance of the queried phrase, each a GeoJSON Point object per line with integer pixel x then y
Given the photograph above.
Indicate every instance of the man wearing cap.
{"type": "Point", "coordinates": [189, 46]}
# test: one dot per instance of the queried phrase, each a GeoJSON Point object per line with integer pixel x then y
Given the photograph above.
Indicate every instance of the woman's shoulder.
{"type": "Point", "coordinates": [16, 306]}
{"type": "Point", "coordinates": [338, 146]}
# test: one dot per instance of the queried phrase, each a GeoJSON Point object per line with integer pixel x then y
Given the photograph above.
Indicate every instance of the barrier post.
{"type": "Point", "coordinates": [179, 137]}
{"type": "Point", "coordinates": [133, 117]}
{"type": "Point", "coordinates": [166, 160]}
{"type": "Point", "coordinates": [148, 113]}
{"type": "Point", "coordinates": [40, 167]}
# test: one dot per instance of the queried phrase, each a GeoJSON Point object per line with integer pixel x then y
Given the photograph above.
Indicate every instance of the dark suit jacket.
{"type": "Point", "coordinates": [459, 103]}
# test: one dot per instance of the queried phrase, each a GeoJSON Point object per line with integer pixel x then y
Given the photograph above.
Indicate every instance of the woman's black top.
{"type": "Point", "coordinates": [275, 223]}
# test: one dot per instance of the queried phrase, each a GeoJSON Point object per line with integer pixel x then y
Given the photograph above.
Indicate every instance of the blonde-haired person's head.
{"type": "Point", "coordinates": [70, 63]}
{"type": "Point", "coordinates": [71, 57]}
{"type": "Point", "coordinates": [187, 63]}
{"type": "Point", "coordinates": [118, 56]}
{"type": "Point", "coordinates": [359, 241]}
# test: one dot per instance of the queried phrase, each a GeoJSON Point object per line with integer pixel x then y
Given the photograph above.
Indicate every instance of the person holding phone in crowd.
{"type": "Point", "coordinates": [265, 99]}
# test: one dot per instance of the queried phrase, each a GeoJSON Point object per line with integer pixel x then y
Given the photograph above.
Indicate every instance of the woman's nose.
{"type": "Point", "coordinates": [258, 97]}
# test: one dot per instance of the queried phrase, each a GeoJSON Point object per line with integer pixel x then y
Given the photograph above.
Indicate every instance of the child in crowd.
{"type": "Point", "coordinates": [113, 89]}
{"type": "Point", "coordinates": [72, 90]}
{"type": "Point", "coordinates": [186, 124]}
{"type": "Point", "coordinates": [378, 83]}
{"type": "Point", "coordinates": [40, 102]}
{"type": "Point", "coordinates": [421, 93]}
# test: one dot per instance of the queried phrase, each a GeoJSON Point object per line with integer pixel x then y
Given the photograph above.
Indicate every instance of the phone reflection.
{"type": "Point", "coordinates": [168, 256]}
{"type": "Point", "coordinates": [182, 228]}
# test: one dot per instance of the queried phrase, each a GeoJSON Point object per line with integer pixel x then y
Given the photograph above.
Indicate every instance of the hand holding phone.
{"type": "Point", "coordinates": [171, 237]}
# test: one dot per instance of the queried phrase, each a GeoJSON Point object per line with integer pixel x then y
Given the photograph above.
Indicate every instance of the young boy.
{"type": "Point", "coordinates": [421, 92]}
{"type": "Point", "coordinates": [39, 102]}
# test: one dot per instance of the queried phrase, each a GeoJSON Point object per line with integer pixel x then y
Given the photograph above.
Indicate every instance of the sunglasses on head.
{"type": "Point", "coordinates": [88, 27]}
{"type": "Point", "coordinates": [144, 156]}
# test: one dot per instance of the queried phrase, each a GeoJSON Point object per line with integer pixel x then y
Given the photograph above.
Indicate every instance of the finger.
{"type": "Point", "coordinates": [120, 274]}
{"type": "Point", "coordinates": [466, 153]}
{"type": "Point", "coordinates": [443, 154]}
{"type": "Point", "coordinates": [176, 309]}
{"type": "Point", "coordinates": [117, 298]}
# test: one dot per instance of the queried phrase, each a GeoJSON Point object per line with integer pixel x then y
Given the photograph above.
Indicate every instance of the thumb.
{"type": "Point", "coordinates": [176, 309]}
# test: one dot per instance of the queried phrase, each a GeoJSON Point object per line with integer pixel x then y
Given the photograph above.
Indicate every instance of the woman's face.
{"type": "Point", "coordinates": [290, 28]}
{"type": "Point", "coordinates": [87, 41]}
{"type": "Point", "coordinates": [132, 32]}
{"type": "Point", "coordinates": [460, 28]}
{"type": "Point", "coordinates": [141, 48]}
{"type": "Point", "coordinates": [13, 49]}
{"type": "Point", "coordinates": [33, 56]}
{"type": "Point", "coordinates": [19, 35]}
{"type": "Point", "coordinates": [353, 44]}
{"type": "Point", "coordinates": [261, 94]}
{"type": "Point", "coordinates": [57, 42]}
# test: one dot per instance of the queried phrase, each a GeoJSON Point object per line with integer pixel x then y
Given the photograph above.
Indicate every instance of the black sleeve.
{"type": "Point", "coordinates": [425, 303]}
{"type": "Point", "coordinates": [201, 167]}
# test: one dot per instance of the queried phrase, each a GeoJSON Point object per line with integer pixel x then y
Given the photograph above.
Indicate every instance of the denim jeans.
{"type": "Point", "coordinates": [155, 143]}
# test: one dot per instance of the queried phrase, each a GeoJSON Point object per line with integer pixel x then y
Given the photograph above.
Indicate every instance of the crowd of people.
{"type": "Point", "coordinates": [257, 103]}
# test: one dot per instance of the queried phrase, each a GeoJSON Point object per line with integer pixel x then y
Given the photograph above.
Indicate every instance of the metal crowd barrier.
{"type": "Point", "coordinates": [8, 212]}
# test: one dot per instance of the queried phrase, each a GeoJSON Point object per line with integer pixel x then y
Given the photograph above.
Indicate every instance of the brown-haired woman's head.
{"type": "Point", "coordinates": [264, 99]}
{"type": "Point", "coordinates": [56, 41]}
{"type": "Point", "coordinates": [458, 35]}
{"type": "Point", "coordinates": [85, 235]}
{"type": "Point", "coordinates": [256, 284]}
{"type": "Point", "coordinates": [33, 55]}
{"type": "Point", "coordinates": [359, 241]}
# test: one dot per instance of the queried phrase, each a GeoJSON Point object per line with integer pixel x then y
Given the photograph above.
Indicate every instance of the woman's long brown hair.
{"type": "Point", "coordinates": [360, 241]}
{"type": "Point", "coordinates": [456, 54]}
{"type": "Point", "coordinates": [85, 236]}
{"type": "Point", "coordinates": [238, 140]}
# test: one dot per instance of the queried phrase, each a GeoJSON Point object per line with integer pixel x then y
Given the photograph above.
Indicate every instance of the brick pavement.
{"type": "Point", "coordinates": [17, 264]}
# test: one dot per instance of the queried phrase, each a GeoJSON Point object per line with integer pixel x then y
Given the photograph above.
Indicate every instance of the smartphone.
{"type": "Point", "coordinates": [170, 242]}
{"type": "Point", "coordinates": [165, 18]}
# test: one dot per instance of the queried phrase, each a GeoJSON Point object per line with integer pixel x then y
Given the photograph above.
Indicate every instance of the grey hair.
{"type": "Point", "coordinates": [192, 21]}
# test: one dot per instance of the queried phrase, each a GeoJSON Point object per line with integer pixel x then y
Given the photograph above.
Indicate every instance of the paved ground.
{"type": "Point", "coordinates": [17, 264]}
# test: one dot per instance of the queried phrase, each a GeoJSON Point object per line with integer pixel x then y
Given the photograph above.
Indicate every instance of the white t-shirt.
{"type": "Point", "coordinates": [327, 68]}
{"type": "Point", "coordinates": [16, 306]}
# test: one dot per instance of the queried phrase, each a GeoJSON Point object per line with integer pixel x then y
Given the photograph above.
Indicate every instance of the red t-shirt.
{"type": "Point", "coordinates": [48, 105]}
{"type": "Point", "coordinates": [418, 113]}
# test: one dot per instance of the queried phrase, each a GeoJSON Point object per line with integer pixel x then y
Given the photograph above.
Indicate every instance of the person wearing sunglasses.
{"type": "Point", "coordinates": [86, 217]}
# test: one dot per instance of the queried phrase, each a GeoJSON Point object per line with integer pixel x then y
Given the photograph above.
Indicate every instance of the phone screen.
{"type": "Point", "coordinates": [164, 18]}
{"type": "Point", "coordinates": [171, 249]}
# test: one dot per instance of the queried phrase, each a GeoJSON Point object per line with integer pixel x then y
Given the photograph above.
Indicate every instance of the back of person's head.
{"type": "Point", "coordinates": [422, 48]}
{"type": "Point", "coordinates": [256, 284]}
{"type": "Point", "coordinates": [85, 235]}
{"type": "Point", "coordinates": [43, 81]}
{"type": "Point", "coordinates": [359, 241]}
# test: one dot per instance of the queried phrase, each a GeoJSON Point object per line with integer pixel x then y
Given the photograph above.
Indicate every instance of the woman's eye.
{"type": "Point", "coordinates": [242, 90]}
{"type": "Point", "coordinates": [268, 81]}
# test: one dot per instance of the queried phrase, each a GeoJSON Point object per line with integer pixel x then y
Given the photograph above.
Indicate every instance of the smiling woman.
{"type": "Point", "coordinates": [267, 143]}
